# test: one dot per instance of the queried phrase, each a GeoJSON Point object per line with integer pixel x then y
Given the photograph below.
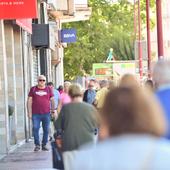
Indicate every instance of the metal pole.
{"type": "Point", "coordinates": [148, 37]}
{"type": "Point", "coordinates": [134, 19]}
{"type": "Point", "coordinates": [159, 28]}
{"type": "Point", "coordinates": [139, 43]}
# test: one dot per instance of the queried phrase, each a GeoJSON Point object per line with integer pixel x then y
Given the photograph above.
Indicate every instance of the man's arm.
{"type": "Point", "coordinates": [53, 112]}
{"type": "Point", "coordinates": [97, 97]}
{"type": "Point", "coordinates": [52, 103]}
{"type": "Point", "coordinates": [29, 107]}
{"type": "Point", "coordinates": [85, 96]}
{"type": "Point", "coordinates": [59, 106]}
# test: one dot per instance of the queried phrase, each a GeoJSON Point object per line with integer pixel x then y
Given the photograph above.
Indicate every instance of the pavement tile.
{"type": "Point", "coordinates": [24, 158]}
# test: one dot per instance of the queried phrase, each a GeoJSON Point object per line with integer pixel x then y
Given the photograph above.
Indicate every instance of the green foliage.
{"type": "Point", "coordinates": [110, 26]}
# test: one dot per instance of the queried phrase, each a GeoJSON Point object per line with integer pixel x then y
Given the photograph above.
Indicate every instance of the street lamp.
{"type": "Point", "coordinates": [139, 43]}
{"type": "Point", "coordinates": [134, 19]}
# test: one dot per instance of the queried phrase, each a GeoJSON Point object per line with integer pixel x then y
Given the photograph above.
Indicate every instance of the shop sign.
{"type": "Point", "coordinates": [68, 35]}
{"type": "Point", "coordinates": [18, 9]}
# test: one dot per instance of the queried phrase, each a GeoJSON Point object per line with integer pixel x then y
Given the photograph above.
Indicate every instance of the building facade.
{"type": "Point", "coordinates": [166, 33]}
{"type": "Point", "coordinates": [22, 60]}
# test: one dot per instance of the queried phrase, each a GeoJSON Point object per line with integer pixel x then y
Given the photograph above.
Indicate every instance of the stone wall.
{"type": "Point", "coordinates": [4, 128]}
{"type": "Point", "coordinates": [10, 53]}
{"type": "Point", "coordinates": [20, 129]}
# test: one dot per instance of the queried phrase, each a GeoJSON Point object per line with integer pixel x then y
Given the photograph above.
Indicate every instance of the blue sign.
{"type": "Point", "coordinates": [68, 35]}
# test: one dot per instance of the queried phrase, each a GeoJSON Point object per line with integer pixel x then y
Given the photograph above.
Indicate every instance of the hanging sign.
{"type": "Point", "coordinates": [68, 35]}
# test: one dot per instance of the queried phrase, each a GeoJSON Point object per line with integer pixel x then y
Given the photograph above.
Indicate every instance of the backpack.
{"type": "Point", "coordinates": [85, 96]}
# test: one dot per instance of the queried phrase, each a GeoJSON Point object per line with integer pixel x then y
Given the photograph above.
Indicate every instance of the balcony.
{"type": "Point", "coordinates": [69, 10]}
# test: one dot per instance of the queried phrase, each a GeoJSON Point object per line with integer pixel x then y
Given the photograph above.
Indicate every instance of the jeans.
{"type": "Point", "coordinates": [36, 120]}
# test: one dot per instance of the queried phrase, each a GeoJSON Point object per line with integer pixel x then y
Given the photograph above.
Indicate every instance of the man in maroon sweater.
{"type": "Point", "coordinates": [38, 104]}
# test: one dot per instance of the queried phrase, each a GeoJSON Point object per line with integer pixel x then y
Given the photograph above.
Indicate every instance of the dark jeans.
{"type": "Point", "coordinates": [36, 120]}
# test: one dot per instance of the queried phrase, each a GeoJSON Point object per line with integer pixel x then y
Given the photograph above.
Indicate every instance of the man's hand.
{"type": "Point", "coordinates": [95, 103]}
{"type": "Point", "coordinates": [54, 114]}
{"type": "Point", "coordinates": [30, 115]}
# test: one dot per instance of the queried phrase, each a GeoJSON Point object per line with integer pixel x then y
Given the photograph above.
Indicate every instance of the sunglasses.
{"type": "Point", "coordinates": [41, 80]}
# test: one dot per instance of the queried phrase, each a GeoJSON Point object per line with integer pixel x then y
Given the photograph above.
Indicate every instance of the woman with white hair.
{"type": "Point", "coordinates": [65, 98]}
{"type": "Point", "coordinates": [78, 122]}
{"type": "Point", "coordinates": [77, 119]}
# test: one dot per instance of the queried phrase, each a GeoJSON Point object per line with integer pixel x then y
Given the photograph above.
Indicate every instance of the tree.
{"type": "Point", "coordinates": [110, 26]}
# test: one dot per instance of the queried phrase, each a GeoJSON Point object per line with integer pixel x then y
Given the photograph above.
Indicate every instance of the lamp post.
{"type": "Point", "coordinates": [139, 43]}
{"type": "Point", "coordinates": [148, 37]}
{"type": "Point", "coordinates": [159, 28]}
{"type": "Point", "coordinates": [134, 19]}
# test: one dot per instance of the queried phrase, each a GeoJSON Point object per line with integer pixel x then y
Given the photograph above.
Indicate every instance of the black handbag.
{"type": "Point", "coordinates": [57, 156]}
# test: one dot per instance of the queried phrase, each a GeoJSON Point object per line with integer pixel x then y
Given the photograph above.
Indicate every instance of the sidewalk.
{"type": "Point", "coordinates": [24, 158]}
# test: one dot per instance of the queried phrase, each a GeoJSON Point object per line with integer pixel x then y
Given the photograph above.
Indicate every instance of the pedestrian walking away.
{"type": "Point", "coordinates": [77, 123]}
{"type": "Point", "coordinates": [38, 104]}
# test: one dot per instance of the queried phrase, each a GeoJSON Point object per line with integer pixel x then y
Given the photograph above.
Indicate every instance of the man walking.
{"type": "Point", "coordinates": [90, 93]}
{"type": "Point", "coordinates": [101, 94]}
{"type": "Point", "coordinates": [57, 97]}
{"type": "Point", "coordinates": [38, 105]}
{"type": "Point", "coordinates": [57, 107]}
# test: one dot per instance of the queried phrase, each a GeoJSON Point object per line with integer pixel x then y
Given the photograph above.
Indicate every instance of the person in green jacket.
{"type": "Point", "coordinates": [77, 120]}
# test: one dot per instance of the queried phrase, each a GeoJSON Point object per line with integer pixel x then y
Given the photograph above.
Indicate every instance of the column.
{"type": "Point", "coordinates": [19, 84]}
{"type": "Point", "coordinates": [4, 128]}
{"type": "Point", "coordinates": [9, 39]}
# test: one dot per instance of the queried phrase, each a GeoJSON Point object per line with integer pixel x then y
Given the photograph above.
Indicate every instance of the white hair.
{"type": "Point", "coordinates": [67, 83]}
{"type": "Point", "coordinates": [41, 77]}
{"type": "Point", "coordinates": [161, 73]}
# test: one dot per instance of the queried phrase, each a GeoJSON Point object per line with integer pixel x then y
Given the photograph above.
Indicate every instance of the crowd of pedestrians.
{"type": "Point", "coordinates": [118, 126]}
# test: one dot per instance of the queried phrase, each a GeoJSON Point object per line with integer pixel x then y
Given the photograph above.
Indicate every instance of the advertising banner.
{"type": "Point", "coordinates": [114, 69]}
{"type": "Point", "coordinates": [102, 69]}
{"type": "Point", "coordinates": [18, 9]}
{"type": "Point", "coordinates": [124, 68]}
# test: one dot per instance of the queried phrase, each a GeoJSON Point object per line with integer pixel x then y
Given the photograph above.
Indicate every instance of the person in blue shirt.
{"type": "Point", "coordinates": [56, 96]}
{"type": "Point", "coordinates": [161, 79]}
{"type": "Point", "coordinates": [57, 107]}
{"type": "Point", "coordinates": [90, 93]}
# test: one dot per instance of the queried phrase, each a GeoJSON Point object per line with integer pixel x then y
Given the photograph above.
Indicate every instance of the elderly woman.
{"type": "Point", "coordinates": [78, 121]}
{"type": "Point", "coordinates": [132, 123]}
{"type": "Point", "coordinates": [65, 98]}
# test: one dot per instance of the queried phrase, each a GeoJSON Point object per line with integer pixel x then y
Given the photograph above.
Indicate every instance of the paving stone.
{"type": "Point", "coordinates": [24, 158]}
